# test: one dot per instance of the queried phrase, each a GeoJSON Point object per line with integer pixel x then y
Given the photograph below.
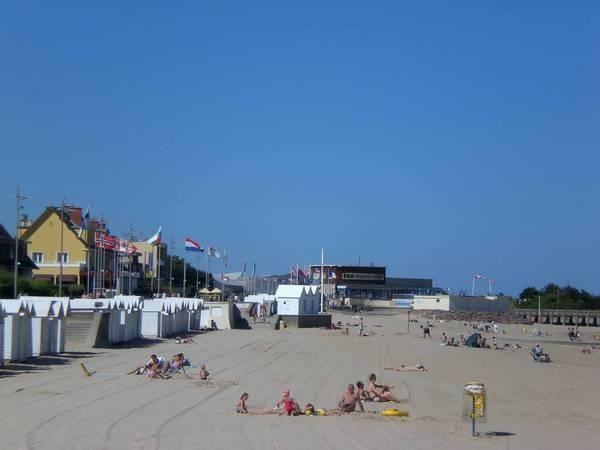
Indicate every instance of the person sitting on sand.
{"type": "Point", "coordinates": [349, 400]}
{"type": "Point", "coordinates": [537, 353]}
{"type": "Point", "coordinates": [362, 393]}
{"type": "Point", "coordinates": [240, 406]}
{"type": "Point", "coordinates": [381, 392]}
{"type": "Point", "coordinates": [144, 369]}
{"type": "Point", "coordinates": [444, 338]}
{"type": "Point", "coordinates": [288, 406]}
{"type": "Point", "coordinates": [157, 367]}
{"type": "Point", "coordinates": [309, 409]}
{"type": "Point", "coordinates": [203, 373]}
{"type": "Point", "coordinates": [176, 363]}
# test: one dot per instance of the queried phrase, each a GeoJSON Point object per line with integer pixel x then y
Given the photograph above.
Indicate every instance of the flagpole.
{"type": "Point", "coordinates": [198, 275]}
{"type": "Point", "coordinates": [184, 272]}
{"type": "Point", "coordinates": [88, 259]}
{"type": "Point", "coordinates": [62, 228]}
{"type": "Point", "coordinates": [158, 269]}
{"type": "Point", "coordinates": [322, 260]}
{"type": "Point", "coordinates": [473, 288]}
{"type": "Point", "coordinates": [95, 265]}
{"type": "Point", "coordinates": [171, 268]}
{"type": "Point", "coordinates": [207, 267]}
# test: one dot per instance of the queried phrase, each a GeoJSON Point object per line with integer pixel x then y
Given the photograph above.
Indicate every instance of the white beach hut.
{"type": "Point", "coordinates": [17, 331]}
{"type": "Point", "coordinates": [295, 300]}
{"type": "Point", "coordinates": [125, 319]}
{"type": "Point", "coordinates": [47, 323]}
{"type": "Point", "coordinates": [2, 313]}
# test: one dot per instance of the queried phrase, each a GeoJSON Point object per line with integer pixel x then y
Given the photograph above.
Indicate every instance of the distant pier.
{"type": "Point", "coordinates": [568, 317]}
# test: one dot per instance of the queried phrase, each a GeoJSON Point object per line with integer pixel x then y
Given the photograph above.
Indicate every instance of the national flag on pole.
{"type": "Point", "coordinates": [155, 239]}
{"type": "Point", "coordinates": [213, 252]}
{"type": "Point", "coordinates": [479, 277]}
{"type": "Point", "coordinates": [192, 246]}
{"type": "Point", "coordinates": [84, 221]}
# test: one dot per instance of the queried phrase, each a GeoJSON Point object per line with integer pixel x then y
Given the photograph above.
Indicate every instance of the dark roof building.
{"type": "Point", "coordinates": [7, 254]}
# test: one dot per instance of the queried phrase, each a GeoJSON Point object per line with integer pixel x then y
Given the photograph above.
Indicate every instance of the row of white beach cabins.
{"type": "Point", "coordinates": [34, 326]}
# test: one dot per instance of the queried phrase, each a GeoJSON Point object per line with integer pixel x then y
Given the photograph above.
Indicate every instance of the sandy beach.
{"type": "Point", "coordinates": [49, 404]}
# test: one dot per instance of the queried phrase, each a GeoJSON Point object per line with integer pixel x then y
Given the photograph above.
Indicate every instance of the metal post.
{"type": "Point", "coordinates": [171, 269]}
{"type": "Point", "coordinates": [62, 219]}
{"type": "Point", "coordinates": [184, 275]}
{"type": "Point", "coordinates": [322, 261]}
{"type": "Point", "coordinates": [473, 417]}
{"type": "Point", "coordinates": [158, 269]}
{"type": "Point", "coordinates": [19, 197]}
{"type": "Point", "coordinates": [539, 309]}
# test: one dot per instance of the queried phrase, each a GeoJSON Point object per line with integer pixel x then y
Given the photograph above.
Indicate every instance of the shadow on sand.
{"type": "Point", "coordinates": [497, 434]}
{"type": "Point", "coordinates": [40, 363]}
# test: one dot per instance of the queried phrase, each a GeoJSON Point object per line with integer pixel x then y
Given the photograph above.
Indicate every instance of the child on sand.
{"type": "Point", "coordinates": [288, 405]}
{"type": "Point", "coordinates": [203, 372]}
{"type": "Point", "coordinates": [240, 406]}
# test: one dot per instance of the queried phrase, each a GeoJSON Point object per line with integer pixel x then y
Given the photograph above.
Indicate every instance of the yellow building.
{"type": "Point", "coordinates": [44, 238]}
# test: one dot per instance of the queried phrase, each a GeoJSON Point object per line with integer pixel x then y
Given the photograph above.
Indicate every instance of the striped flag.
{"type": "Point", "coordinates": [192, 246]}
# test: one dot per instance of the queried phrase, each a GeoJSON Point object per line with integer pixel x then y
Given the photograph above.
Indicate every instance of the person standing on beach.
{"type": "Point", "coordinates": [281, 325]}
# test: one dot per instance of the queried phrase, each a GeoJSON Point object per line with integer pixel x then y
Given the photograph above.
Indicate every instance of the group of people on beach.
{"type": "Point", "coordinates": [352, 399]}
{"type": "Point", "coordinates": [159, 367]}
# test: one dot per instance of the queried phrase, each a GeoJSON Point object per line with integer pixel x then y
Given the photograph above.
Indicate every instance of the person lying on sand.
{"type": "Point", "coordinates": [349, 401]}
{"type": "Point", "coordinates": [240, 406]}
{"type": "Point", "coordinates": [408, 368]}
{"type": "Point", "coordinates": [288, 405]}
{"type": "Point", "coordinates": [380, 392]}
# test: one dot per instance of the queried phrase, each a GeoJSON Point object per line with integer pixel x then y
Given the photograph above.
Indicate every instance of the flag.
{"type": "Point", "coordinates": [213, 252]}
{"type": "Point", "coordinates": [192, 246]}
{"type": "Point", "coordinates": [332, 275]}
{"type": "Point", "coordinates": [84, 221]}
{"type": "Point", "coordinates": [106, 242]}
{"type": "Point", "coordinates": [224, 277]}
{"type": "Point", "coordinates": [301, 273]}
{"type": "Point", "coordinates": [479, 277]}
{"type": "Point", "coordinates": [155, 239]}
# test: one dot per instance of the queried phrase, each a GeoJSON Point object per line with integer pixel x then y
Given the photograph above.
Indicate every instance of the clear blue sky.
{"type": "Point", "coordinates": [438, 138]}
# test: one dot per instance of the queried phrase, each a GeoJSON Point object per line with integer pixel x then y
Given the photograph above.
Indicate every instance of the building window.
{"type": "Point", "coordinates": [64, 257]}
{"type": "Point", "coordinates": [38, 257]}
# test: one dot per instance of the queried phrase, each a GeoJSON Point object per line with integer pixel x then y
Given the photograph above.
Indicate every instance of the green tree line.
{"type": "Point", "coordinates": [553, 296]}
